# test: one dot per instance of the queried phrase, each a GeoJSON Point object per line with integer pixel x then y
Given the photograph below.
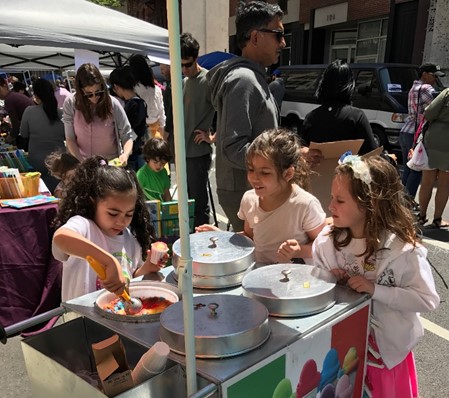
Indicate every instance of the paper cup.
{"type": "Point", "coordinates": [158, 250]}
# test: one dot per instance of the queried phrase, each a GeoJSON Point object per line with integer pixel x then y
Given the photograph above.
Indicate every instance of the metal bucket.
{"type": "Point", "coordinates": [291, 290]}
{"type": "Point", "coordinates": [225, 326]}
{"type": "Point", "coordinates": [220, 258]}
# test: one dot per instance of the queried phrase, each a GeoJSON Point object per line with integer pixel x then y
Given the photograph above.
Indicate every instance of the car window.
{"type": "Point", "coordinates": [365, 81]}
{"type": "Point", "coordinates": [398, 79]}
{"type": "Point", "coordinates": [302, 80]}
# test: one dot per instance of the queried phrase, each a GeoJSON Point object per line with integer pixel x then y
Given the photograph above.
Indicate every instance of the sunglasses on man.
{"type": "Point", "coordinates": [279, 33]}
{"type": "Point", "coordinates": [187, 64]}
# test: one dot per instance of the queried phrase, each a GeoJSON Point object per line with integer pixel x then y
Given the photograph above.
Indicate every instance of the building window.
{"type": "Point", "coordinates": [287, 50]}
{"type": "Point", "coordinates": [343, 45]}
{"type": "Point", "coordinates": [371, 41]}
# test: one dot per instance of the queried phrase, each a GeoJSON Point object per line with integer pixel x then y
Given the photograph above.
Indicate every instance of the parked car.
{"type": "Point", "coordinates": [381, 91]}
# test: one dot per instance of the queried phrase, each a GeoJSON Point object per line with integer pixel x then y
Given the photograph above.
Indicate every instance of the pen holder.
{"type": "Point", "coordinates": [11, 188]}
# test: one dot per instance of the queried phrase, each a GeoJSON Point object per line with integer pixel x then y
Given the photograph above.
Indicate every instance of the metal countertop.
{"type": "Point", "coordinates": [284, 331]}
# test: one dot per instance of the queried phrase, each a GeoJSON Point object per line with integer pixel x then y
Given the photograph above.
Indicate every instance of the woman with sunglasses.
{"type": "Point", "coordinates": [95, 123]}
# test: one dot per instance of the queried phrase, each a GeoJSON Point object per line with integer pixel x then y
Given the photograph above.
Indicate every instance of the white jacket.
{"type": "Point", "coordinates": [404, 287]}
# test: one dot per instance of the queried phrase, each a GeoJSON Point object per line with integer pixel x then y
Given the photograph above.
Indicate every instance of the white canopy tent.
{"type": "Point", "coordinates": [70, 24]}
{"type": "Point", "coordinates": [42, 35]}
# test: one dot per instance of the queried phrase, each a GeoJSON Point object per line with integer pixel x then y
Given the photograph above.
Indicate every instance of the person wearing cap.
{"type": "Point", "coordinates": [419, 97]}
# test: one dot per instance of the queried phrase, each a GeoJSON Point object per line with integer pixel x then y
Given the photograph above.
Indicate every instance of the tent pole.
{"type": "Point", "coordinates": [185, 262]}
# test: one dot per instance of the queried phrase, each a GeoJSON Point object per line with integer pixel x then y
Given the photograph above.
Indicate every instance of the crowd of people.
{"type": "Point", "coordinates": [262, 175]}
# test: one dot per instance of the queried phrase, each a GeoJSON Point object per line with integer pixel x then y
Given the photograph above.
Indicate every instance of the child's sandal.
{"type": "Point", "coordinates": [422, 220]}
{"type": "Point", "coordinates": [439, 223]}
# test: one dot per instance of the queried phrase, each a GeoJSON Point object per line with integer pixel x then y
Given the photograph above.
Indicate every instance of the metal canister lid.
{"type": "Point", "coordinates": [217, 247]}
{"type": "Point", "coordinates": [291, 289]}
{"type": "Point", "coordinates": [224, 325]}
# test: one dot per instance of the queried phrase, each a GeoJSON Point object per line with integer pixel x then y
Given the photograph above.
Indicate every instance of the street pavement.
{"type": "Point", "coordinates": [430, 354]}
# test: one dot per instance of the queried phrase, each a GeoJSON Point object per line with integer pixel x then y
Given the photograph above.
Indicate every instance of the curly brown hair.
{"type": "Point", "coordinates": [385, 204]}
{"type": "Point", "coordinates": [283, 148]}
{"type": "Point", "coordinates": [89, 75]}
{"type": "Point", "coordinates": [95, 179]}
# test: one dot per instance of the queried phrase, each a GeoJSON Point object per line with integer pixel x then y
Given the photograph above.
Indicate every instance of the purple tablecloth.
{"type": "Point", "coordinates": [30, 277]}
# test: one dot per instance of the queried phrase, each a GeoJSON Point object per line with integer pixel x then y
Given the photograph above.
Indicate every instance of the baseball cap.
{"type": "Point", "coordinates": [276, 72]}
{"type": "Point", "coordinates": [431, 68]}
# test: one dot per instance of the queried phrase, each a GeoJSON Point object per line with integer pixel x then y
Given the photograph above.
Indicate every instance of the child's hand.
{"type": "Point", "coordinates": [288, 250]}
{"type": "Point", "coordinates": [341, 275]}
{"type": "Point", "coordinates": [361, 284]}
{"type": "Point", "coordinates": [148, 266]}
{"type": "Point", "coordinates": [206, 227]}
{"type": "Point", "coordinates": [115, 281]}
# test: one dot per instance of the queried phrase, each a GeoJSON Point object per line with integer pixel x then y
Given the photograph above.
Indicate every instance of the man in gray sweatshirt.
{"type": "Point", "coordinates": [242, 99]}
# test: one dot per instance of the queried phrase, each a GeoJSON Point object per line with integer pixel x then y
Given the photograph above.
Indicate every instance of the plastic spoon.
{"type": "Point", "coordinates": [132, 305]}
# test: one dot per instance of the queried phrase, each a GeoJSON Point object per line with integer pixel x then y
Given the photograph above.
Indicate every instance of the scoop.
{"type": "Point", "coordinates": [132, 304]}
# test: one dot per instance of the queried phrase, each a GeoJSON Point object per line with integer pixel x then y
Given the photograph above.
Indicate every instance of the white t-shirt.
{"type": "Point", "coordinates": [78, 278]}
{"type": "Point", "coordinates": [155, 103]}
{"type": "Point", "coordinates": [299, 214]}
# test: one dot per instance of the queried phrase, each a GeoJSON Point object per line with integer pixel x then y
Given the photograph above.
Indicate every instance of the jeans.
{"type": "Point", "coordinates": [410, 178]}
{"type": "Point", "coordinates": [197, 176]}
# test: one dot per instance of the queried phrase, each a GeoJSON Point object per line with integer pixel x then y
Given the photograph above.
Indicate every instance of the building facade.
{"type": "Point", "coordinates": [320, 31]}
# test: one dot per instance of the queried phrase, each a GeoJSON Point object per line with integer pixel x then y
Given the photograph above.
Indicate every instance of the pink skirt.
{"type": "Point", "coordinates": [398, 382]}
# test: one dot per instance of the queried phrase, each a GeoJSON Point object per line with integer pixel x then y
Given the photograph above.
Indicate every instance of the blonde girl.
{"type": "Point", "coordinates": [372, 247]}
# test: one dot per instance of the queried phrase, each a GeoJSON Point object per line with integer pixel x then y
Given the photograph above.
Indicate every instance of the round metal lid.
{"type": "Point", "coordinates": [224, 325]}
{"type": "Point", "coordinates": [217, 247]}
{"type": "Point", "coordinates": [291, 289]}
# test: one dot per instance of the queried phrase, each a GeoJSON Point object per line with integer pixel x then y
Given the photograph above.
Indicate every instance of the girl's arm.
{"type": "Point", "coordinates": [74, 244]}
{"type": "Point", "coordinates": [148, 267]}
{"type": "Point", "coordinates": [292, 249]}
{"type": "Point", "coordinates": [413, 289]}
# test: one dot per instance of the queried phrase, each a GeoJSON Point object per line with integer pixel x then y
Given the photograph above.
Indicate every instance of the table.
{"type": "Point", "coordinates": [30, 277]}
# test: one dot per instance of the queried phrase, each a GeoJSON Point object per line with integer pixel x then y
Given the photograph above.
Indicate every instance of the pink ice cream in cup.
{"type": "Point", "coordinates": [308, 380]}
{"type": "Point", "coordinates": [344, 387]}
{"type": "Point", "coordinates": [158, 251]}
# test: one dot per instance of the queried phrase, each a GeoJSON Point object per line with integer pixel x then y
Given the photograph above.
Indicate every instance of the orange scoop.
{"type": "Point", "coordinates": [132, 305]}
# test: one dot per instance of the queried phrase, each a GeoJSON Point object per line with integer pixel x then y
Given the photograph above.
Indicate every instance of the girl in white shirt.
{"type": "Point", "coordinates": [280, 216]}
{"type": "Point", "coordinates": [103, 215]}
{"type": "Point", "coordinates": [372, 247]}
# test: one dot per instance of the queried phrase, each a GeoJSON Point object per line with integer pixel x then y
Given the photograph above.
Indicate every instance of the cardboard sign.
{"type": "Point", "coordinates": [321, 179]}
{"type": "Point", "coordinates": [112, 366]}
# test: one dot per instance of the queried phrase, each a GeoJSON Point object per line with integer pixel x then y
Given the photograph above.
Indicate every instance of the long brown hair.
{"type": "Point", "coordinates": [88, 75]}
{"type": "Point", "coordinates": [385, 204]}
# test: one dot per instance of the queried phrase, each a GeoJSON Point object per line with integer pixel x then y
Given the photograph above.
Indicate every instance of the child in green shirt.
{"type": "Point", "coordinates": [153, 176]}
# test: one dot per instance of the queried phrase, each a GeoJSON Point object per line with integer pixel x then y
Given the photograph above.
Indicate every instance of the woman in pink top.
{"type": "Point", "coordinates": [94, 122]}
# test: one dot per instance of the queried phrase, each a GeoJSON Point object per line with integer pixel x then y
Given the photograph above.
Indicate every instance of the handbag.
{"type": "Point", "coordinates": [419, 160]}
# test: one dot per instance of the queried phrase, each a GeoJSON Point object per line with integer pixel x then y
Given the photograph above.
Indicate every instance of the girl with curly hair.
{"type": "Point", "coordinates": [103, 215]}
